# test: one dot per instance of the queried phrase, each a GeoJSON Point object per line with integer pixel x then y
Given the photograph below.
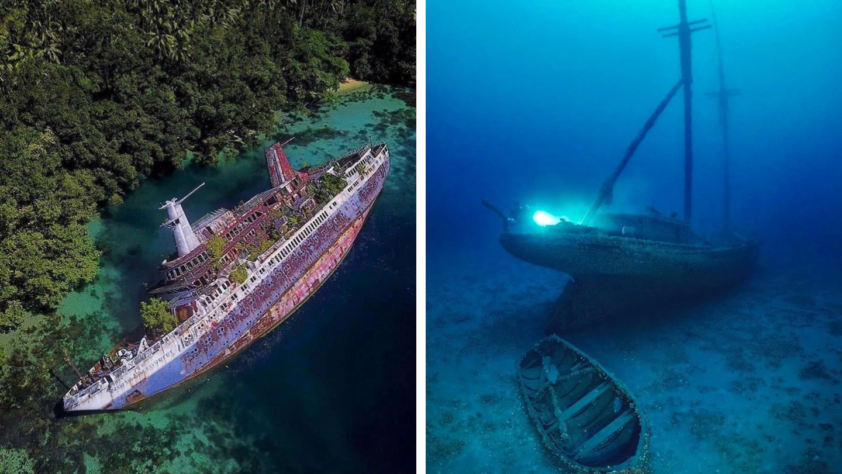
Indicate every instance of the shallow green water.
{"type": "Point", "coordinates": [326, 391]}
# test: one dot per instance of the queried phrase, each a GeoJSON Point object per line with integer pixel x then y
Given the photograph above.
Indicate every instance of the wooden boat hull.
{"type": "Point", "coordinates": [584, 256]}
{"type": "Point", "coordinates": [585, 417]}
{"type": "Point", "coordinates": [612, 273]}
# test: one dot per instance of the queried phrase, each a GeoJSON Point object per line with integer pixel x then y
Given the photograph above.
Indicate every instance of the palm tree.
{"type": "Point", "coordinates": [162, 43]}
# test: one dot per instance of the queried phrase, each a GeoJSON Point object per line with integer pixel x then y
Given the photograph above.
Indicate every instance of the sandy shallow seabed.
{"type": "Point", "coordinates": [746, 384]}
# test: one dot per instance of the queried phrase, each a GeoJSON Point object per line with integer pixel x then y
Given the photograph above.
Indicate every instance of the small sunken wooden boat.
{"type": "Point", "coordinates": [585, 417]}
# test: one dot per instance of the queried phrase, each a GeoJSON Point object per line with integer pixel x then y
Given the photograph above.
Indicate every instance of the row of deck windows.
{"type": "Point", "coordinates": [248, 220]}
{"type": "Point", "coordinates": [223, 285]}
{"type": "Point", "coordinates": [298, 239]}
{"type": "Point", "coordinates": [184, 268]}
{"type": "Point", "coordinates": [320, 218]}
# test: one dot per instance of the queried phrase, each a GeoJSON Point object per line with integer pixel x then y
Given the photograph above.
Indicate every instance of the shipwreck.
{"type": "Point", "coordinates": [623, 261]}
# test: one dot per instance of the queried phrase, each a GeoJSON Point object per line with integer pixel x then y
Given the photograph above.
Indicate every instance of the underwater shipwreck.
{"type": "Point", "coordinates": [624, 261]}
{"type": "Point", "coordinates": [618, 262]}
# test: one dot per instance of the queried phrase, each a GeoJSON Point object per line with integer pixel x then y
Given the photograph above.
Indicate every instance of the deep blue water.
{"type": "Point", "coordinates": [537, 102]}
{"type": "Point", "coordinates": [333, 390]}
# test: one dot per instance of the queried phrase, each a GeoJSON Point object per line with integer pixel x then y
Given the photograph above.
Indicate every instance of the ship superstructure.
{"type": "Point", "coordinates": [282, 244]}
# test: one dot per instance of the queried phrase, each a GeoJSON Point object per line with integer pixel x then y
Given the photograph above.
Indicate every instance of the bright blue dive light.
{"type": "Point", "coordinates": [544, 218]}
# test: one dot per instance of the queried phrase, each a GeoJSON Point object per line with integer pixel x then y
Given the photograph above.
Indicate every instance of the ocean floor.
{"type": "Point", "coordinates": [746, 384]}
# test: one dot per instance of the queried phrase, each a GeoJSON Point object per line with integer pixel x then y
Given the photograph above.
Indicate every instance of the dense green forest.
{"type": "Point", "coordinates": [96, 95]}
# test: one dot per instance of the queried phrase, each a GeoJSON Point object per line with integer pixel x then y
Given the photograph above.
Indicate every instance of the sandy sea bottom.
{"type": "Point", "coordinates": [331, 390]}
{"type": "Point", "coordinates": [746, 384]}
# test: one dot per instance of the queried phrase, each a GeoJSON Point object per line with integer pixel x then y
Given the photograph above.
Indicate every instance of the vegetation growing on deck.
{"type": "Point", "coordinates": [275, 225]}
{"type": "Point", "coordinates": [239, 274]}
{"type": "Point", "coordinates": [216, 246]}
{"type": "Point", "coordinates": [293, 221]}
{"type": "Point", "coordinates": [329, 186]}
{"type": "Point", "coordinates": [333, 183]}
{"type": "Point", "coordinates": [157, 317]}
{"type": "Point", "coordinates": [253, 250]}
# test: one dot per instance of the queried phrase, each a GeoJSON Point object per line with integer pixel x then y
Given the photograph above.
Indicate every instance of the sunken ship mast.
{"type": "Point", "coordinates": [723, 96]}
{"type": "Point", "coordinates": [238, 273]}
{"type": "Point", "coordinates": [623, 261]}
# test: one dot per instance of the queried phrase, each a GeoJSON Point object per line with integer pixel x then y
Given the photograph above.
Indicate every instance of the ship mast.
{"type": "Point", "coordinates": [722, 95]}
{"type": "Point", "coordinates": [683, 31]}
{"type": "Point", "coordinates": [607, 189]}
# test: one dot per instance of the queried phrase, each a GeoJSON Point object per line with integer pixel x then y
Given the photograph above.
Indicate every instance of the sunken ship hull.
{"type": "Point", "coordinates": [279, 284]}
{"type": "Point", "coordinates": [616, 267]}
{"type": "Point", "coordinates": [585, 417]}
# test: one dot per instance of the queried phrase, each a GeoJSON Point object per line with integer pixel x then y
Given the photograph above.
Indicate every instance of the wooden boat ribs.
{"type": "Point", "coordinates": [585, 417]}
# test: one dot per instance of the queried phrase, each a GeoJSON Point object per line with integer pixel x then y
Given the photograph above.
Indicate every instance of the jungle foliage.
{"type": "Point", "coordinates": [97, 95]}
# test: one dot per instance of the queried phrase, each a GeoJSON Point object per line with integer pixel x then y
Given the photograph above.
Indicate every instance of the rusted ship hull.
{"type": "Point", "coordinates": [585, 417]}
{"type": "Point", "coordinates": [277, 286]}
{"type": "Point", "coordinates": [615, 273]}
{"type": "Point", "coordinates": [191, 365]}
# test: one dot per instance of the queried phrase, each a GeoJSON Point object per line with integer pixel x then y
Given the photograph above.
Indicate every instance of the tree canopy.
{"type": "Point", "coordinates": [97, 95]}
{"type": "Point", "coordinates": [157, 317]}
{"type": "Point", "coordinates": [45, 249]}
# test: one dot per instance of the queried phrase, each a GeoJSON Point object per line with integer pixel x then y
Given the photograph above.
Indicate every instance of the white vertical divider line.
{"type": "Point", "coordinates": [420, 239]}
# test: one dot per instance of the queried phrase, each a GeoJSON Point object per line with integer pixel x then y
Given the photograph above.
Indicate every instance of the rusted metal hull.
{"type": "Point", "coordinates": [274, 297]}
{"type": "Point", "coordinates": [186, 368]}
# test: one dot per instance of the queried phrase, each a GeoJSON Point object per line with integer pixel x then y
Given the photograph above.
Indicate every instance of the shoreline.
{"type": "Point", "coordinates": [351, 85]}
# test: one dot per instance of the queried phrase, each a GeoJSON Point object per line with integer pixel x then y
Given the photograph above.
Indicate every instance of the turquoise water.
{"type": "Point", "coordinates": [327, 391]}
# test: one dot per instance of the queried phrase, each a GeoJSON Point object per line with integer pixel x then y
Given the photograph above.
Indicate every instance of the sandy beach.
{"type": "Point", "coordinates": [350, 85]}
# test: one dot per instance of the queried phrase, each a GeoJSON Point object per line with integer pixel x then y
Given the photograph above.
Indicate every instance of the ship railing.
{"type": "Point", "coordinates": [84, 393]}
{"type": "Point", "coordinates": [366, 158]}
{"type": "Point", "coordinates": [193, 325]}
{"type": "Point", "coordinates": [355, 152]}
{"type": "Point", "coordinates": [338, 200]}
{"type": "Point", "coordinates": [129, 365]}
